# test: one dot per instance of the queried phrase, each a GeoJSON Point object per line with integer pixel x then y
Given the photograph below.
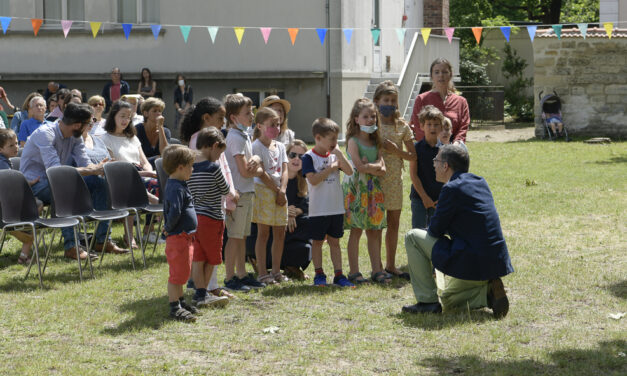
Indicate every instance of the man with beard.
{"type": "Point", "coordinates": [62, 144]}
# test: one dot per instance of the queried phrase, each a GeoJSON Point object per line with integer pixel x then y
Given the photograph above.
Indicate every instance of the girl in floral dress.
{"type": "Point", "coordinates": [363, 197]}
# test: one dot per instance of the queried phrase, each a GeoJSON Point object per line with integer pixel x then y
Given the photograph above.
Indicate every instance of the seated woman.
{"type": "Point", "coordinates": [152, 135]}
{"type": "Point", "coordinates": [297, 250]}
{"type": "Point", "coordinates": [97, 103]}
{"type": "Point", "coordinates": [123, 145]}
{"type": "Point", "coordinates": [23, 115]}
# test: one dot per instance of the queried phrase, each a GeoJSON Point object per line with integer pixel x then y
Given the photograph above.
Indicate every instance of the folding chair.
{"type": "Point", "coordinates": [162, 177]}
{"type": "Point", "coordinates": [127, 192]}
{"type": "Point", "coordinates": [18, 210]}
{"type": "Point", "coordinates": [71, 199]}
{"type": "Point", "coordinates": [15, 163]}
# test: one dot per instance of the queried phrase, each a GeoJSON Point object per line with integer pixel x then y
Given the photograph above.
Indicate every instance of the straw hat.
{"type": "Point", "coordinates": [275, 99]}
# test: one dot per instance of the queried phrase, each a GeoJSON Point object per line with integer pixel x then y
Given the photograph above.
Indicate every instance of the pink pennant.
{"type": "Point", "coordinates": [449, 33]}
{"type": "Point", "coordinates": [66, 25]}
{"type": "Point", "coordinates": [265, 31]}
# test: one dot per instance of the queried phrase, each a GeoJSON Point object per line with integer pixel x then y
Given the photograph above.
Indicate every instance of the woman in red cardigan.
{"type": "Point", "coordinates": [443, 96]}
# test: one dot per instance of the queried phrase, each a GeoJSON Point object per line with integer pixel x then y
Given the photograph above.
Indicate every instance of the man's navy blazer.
{"type": "Point", "coordinates": [476, 249]}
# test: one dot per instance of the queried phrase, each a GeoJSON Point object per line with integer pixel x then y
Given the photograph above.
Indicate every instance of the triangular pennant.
{"type": "Point", "coordinates": [400, 33]}
{"type": "Point", "coordinates": [375, 35]}
{"type": "Point", "coordinates": [95, 26]}
{"type": "Point", "coordinates": [608, 26]}
{"type": "Point", "coordinates": [532, 32]}
{"type": "Point", "coordinates": [5, 21]}
{"type": "Point", "coordinates": [449, 33]}
{"type": "Point", "coordinates": [477, 32]}
{"type": "Point", "coordinates": [239, 33]}
{"type": "Point", "coordinates": [583, 28]}
{"type": "Point", "coordinates": [127, 29]}
{"type": "Point", "coordinates": [322, 34]}
{"type": "Point", "coordinates": [426, 31]}
{"type": "Point", "coordinates": [185, 29]}
{"type": "Point", "coordinates": [213, 30]}
{"type": "Point", "coordinates": [155, 30]}
{"type": "Point", "coordinates": [36, 22]}
{"type": "Point", "coordinates": [265, 32]}
{"type": "Point", "coordinates": [293, 33]}
{"type": "Point", "coordinates": [558, 30]}
{"type": "Point", "coordinates": [348, 34]}
{"type": "Point", "coordinates": [66, 25]}
{"type": "Point", "coordinates": [507, 31]}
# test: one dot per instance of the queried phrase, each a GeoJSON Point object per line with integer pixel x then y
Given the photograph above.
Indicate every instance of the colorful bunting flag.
{"type": "Point", "coordinates": [376, 33]}
{"type": "Point", "coordinates": [558, 31]}
{"type": "Point", "coordinates": [66, 25]}
{"type": "Point", "coordinates": [155, 30]}
{"type": "Point", "coordinates": [532, 32]}
{"type": "Point", "coordinates": [127, 29]}
{"type": "Point", "coordinates": [293, 33]}
{"type": "Point", "coordinates": [425, 34]}
{"type": "Point", "coordinates": [322, 34]}
{"type": "Point", "coordinates": [583, 28]}
{"type": "Point", "coordinates": [400, 33]}
{"type": "Point", "coordinates": [5, 21]}
{"type": "Point", "coordinates": [36, 22]}
{"type": "Point", "coordinates": [213, 30]}
{"type": "Point", "coordinates": [477, 32]}
{"type": "Point", "coordinates": [95, 26]}
{"type": "Point", "coordinates": [608, 26]}
{"type": "Point", "coordinates": [185, 29]}
{"type": "Point", "coordinates": [449, 33]}
{"type": "Point", "coordinates": [265, 32]}
{"type": "Point", "coordinates": [348, 34]}
{"type": "Point", "coordinates": [239, 33]}
{"type": "Point", "coordinates": [506, 30]}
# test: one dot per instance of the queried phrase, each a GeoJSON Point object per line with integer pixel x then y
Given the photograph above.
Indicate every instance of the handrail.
{"type": "Point", "coordinates": [406, 81]}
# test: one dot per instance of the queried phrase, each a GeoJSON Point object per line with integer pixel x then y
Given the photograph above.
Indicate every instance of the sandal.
{"type": "Point", "coordinates": [357, 278]}
{"type": "Point", "coordinates": [381, 277]}
{"type": "Point", "coordinates": [268, 279]}
{"type": "Point", "coordinates": [294, 272]}
{"type": "Point", "coordinates": [222, 292]}
{"type": "Point", "coordinates": [24, 259]}
{"type": "Point", "coordinates": [278, 277]}
{"type": "Point", "coordinates": [399, 274]}
{"type": "Point", "coordinates": [182, 314]}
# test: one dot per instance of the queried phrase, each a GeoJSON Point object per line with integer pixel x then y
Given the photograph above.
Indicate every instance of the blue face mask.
{"type": "Point", "coordinates": [387, 110]}
{"type": "Point", "coordinates": [242, 127]}
{"type": "Point", "coordinates": [368, 128]}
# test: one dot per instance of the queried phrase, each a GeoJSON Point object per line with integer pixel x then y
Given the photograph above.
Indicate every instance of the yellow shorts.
{"type": "Point", "coordinates": [266, 211]}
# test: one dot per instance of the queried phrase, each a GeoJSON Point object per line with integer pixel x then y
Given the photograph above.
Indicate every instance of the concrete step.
{"type": "Point", "coordinates": [378, 80]}
{"type": "Point", "coordinates": [372, 87]}
{"type": "Point", "coordinates": [369, 95]}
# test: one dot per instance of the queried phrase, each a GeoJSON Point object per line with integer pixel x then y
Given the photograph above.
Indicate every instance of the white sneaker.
{"type": "Point", "coordinates": [212, 301]}
{"type": "Point", "coordinates": [152, 237]}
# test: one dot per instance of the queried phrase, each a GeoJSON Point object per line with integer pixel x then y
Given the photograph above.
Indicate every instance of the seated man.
{"type": "Point", "coordinates": [62, 144]}
{"type": "Point", "coordinates": [475, 256]}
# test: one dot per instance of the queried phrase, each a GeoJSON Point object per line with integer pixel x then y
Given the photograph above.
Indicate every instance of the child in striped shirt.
{"type": "Point", "coordinates": [208, 185]}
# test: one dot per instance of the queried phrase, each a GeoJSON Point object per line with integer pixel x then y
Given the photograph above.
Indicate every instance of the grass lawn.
{"type": "Point", "coordinates": [563, 211]}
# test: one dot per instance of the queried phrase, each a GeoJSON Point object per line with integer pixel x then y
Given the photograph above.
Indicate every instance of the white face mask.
{"type": "Point", "coordinates": [368, 128]}
{"type": "Point", "coordinates": [181, 82]}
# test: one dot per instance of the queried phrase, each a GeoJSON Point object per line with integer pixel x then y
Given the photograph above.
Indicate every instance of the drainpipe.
{"type": "Point", "coordinates": [328, 60]}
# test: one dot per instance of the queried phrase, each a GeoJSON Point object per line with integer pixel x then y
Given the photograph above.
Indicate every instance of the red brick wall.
{"type": "Point", "coordinates": [436, 15]}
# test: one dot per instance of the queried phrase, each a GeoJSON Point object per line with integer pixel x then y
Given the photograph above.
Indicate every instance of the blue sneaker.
{"type": "Point", "coordinates": [251, 282]}
{"type": "Point", "coordinates": [342, 281]}
{"type": "Point", "coordinates": [235, 284]}
{"type": "Point", "coordinates": [320, 280]}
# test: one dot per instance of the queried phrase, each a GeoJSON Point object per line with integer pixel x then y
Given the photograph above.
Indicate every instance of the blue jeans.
{"type": "Point", "coordinates": [98, 189]}
{"type": "Point", "coordinates": [420, 216]}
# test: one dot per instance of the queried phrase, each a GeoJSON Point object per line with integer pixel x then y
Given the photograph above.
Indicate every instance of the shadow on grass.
{"type": "Point", "coordinates": [619, 289]}
{"type": "Point", "coordinates": [605, 360]}
{"type": "Point", "coordinates": [613, 160]}
{"type": "Point", "coordinates": [441, 321]}
{"type": "Point", "coordinates": [294, 290]}
{"type": "Point", "coordinates": [149, 314]}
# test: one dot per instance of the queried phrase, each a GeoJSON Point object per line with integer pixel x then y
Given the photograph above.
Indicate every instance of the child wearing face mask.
{"type": "Point", "coordinates": [363, 196]}
{"type": "Point", "coordinates": [270, 208]}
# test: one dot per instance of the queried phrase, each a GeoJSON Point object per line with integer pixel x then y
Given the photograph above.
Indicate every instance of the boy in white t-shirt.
{"type": "Point", "coordinates": [326, 200]}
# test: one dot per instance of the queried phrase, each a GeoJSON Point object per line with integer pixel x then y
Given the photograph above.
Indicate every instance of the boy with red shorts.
{"type": "Point", "coordinates": [179, 228]}
{"type": "Point", "coordinates": [208, 185]}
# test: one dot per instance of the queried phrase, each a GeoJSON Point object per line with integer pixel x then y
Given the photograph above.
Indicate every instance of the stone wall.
{"type": "Point", "coordinates": [590, 77]}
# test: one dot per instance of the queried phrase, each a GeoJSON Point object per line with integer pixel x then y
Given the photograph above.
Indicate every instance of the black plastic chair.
{"type": "Point", "coordinates": [18, 210]}
{"type": "Point", "coordinates": [15, 163]}
{"type": "Point", "coordinates": [71, 199]}
{"type": "Point", "coordinates": [127, 192]}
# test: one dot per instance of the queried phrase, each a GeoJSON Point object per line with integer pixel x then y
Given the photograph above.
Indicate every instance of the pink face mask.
{"type": "Point", "coordinates": [271, 132]}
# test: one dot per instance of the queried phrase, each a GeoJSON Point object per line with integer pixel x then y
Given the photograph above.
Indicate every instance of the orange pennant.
{"type": "Point", "coordinates": [293, 33]}
{"type": "Point", "coordinates": [36, 22]}
{"type": "Point", "coordinates": [477, 32]}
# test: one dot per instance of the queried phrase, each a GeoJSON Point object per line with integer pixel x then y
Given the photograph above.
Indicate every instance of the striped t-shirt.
{"type": "Point", "coordinates": [207, 185]}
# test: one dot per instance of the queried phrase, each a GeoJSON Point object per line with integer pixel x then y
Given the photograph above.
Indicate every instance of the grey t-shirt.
{"type": "Point", "coordinates": [238, 143]}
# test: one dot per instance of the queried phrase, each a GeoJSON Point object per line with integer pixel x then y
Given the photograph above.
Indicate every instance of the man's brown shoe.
{"type": "Point", "coordinates": [110, 247]}
{"type": "Point", "coordinates": [497, 299]}
{"type": "Point", "coordinates": [71, 254]}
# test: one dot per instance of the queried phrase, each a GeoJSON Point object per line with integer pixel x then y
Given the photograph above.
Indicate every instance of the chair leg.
{"type": "Point", "coordinates": [2, 239]}
{"type": "Point", "coordinates": [106, 237]}
{"type": "Point", "coordinates": [158, 234]}
{"type": "Point", "coordinates": [88, 245]}
{"type": "Point", "coordinates": [146, 242]}
{"type": "Point", "coordinates": [78, 252]}
{"type": "Point", "coordinates": [140, 235]}
{"type": "Point", "coordinates": [48, 248]}
{"type": "Point", "coordinates": [36, 248]}
{"type": "Point", "coordinates": [129, 240]}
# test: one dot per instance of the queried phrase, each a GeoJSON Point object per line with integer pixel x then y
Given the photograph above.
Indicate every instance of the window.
{"type": "Point", "coordinates": [5, 8]}
{"type": "Point", "coordinates": [55, 10]}
{"type": "Point", "coordinates": [138, 11]}
{"type": "Point", "coordinates": [376, 19]}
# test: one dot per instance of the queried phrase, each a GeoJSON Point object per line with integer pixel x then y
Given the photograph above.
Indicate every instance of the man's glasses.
{"type": "Point", "coordinates": [436, 160]}
{"type": "Point", "coordinates": [293, 155]}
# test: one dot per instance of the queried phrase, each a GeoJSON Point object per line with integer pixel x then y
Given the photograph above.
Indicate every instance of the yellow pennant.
{"type": "Point", "coordinates": [95, 26]}
{"type": "Point", "coordinates": [425, 34]}
{"type": "Point", "coordinates": [239, 33]}
{"type": "Point", "coordinates": [608, 26]}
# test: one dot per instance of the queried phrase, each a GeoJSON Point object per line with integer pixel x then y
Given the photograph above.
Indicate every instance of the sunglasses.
{"type": "Point", "coordinates": [98, 105]}
{"type": "Point", "coordinates": [293, 155]}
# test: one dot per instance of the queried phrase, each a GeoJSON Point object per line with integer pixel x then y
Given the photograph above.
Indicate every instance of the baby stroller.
{"type": "Point", "coordinates": [552, 116]}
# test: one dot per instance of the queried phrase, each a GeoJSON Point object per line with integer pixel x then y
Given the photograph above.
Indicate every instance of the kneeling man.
{"type": "Point", "coordinates": [475, 256]}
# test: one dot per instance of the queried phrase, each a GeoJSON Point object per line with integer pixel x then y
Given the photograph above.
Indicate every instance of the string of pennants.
{"type": "Point", "coordinates": [66, 25]}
